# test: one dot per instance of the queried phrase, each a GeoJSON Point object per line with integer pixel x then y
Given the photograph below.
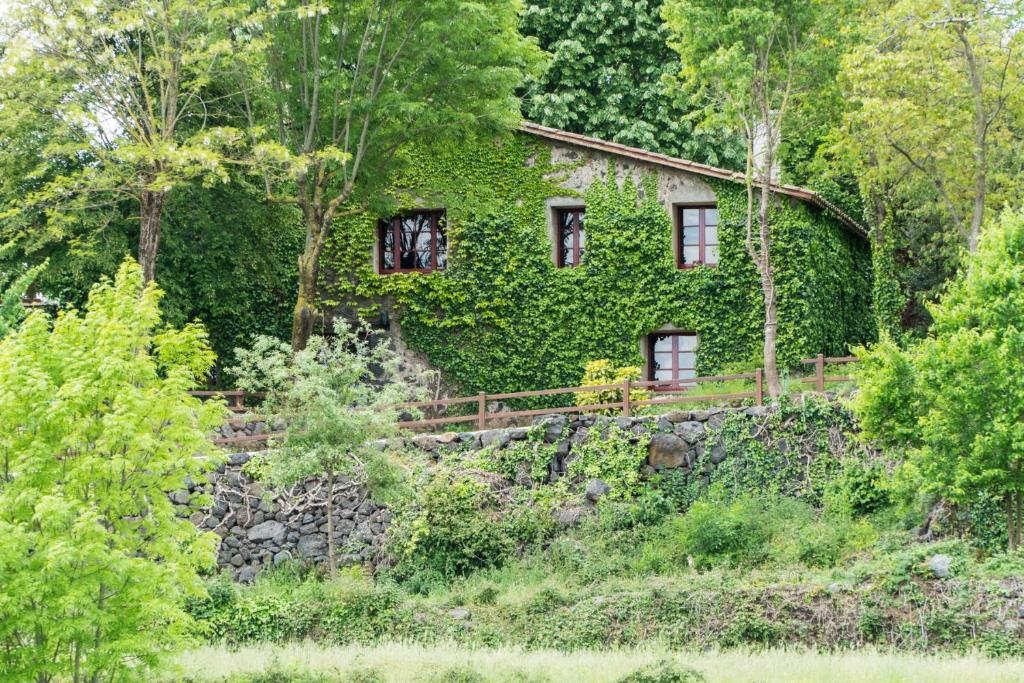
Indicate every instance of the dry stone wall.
{"type": "Point", "coordinates": [259, 529]}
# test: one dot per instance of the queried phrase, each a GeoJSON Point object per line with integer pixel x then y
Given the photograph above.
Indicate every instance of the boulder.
{"type": "Point", "coordinates": [595, 489]}
{"type": "Point", "coordinates": [494, 437]}
{"type": "Point", "coordinates": [179, 497]}
{"type": "Point", "coordinates": [675, 416]}
{"type": "Point", "coordinates": [717, 452]}
{"type": "Point", "coordinates": [666, 451]}
{"type": "Point", "coordinates": [247, 574]}
{"type": "Point", "coordinates": [940, 565]}
{"type": "Point", "coordinates": [312, 546]}
{"type": "Point", "coordinates": [690, 431]}
{"type": "Point", "coordinates": [447, 438]}
{"type": "Point", "coordinates": [266, 531]}
{"type": "Point", "coordinates": [568, 517]}
{"type": "Point", "coordinates": [459, 613]}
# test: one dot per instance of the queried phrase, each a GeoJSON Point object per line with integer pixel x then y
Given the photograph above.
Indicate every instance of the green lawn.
{"type": "Point", "coordinates": [398, 662]}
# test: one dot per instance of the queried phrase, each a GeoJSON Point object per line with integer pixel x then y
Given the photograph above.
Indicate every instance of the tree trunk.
{"type": "Point", "coordinates": [151, 211]}
{"type": "Point", "coordinates": [1013, 519]}
{"type": "Point", "coordinates": [771, 314]}
{"type": "Point", "coordinates": [332, 566]}
{"type": "Point", "coordinates": [305, 304]}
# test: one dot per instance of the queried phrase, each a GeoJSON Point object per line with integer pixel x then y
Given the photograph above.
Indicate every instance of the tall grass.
{"type": "Point", "coordinates": [400, 662]}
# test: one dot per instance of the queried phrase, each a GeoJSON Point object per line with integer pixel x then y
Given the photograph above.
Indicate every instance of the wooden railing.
{"type": "Point", "coordinates": [664, 392]}
{"type": "Point", "coordinates": [819, 362]}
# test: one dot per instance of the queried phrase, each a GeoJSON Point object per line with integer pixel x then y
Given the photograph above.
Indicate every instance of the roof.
{"type": "Point", "coordinates": [809, 196]}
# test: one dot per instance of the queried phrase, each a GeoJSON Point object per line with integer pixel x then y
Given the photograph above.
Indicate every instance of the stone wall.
{"type": "Point", "coordinates": [258, 530]}
{"type": "Point", "coordinates": [678, 438]}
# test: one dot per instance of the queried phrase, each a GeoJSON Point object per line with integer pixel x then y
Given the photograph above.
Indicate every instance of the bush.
{"type": "Point", "coordinates": [600, 372]}
{"type": "Point", "coordinates": [456, 529]}
{"type": "Point", "coordinates": [664, 672]}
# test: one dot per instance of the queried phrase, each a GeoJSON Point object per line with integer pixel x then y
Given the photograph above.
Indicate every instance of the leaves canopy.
{"type": "Point", "coordinates": [955, 401]}
{"type": "Point", "coordinates": [97, 428]}
{"type": "Point", "coordinates": [609, 75]}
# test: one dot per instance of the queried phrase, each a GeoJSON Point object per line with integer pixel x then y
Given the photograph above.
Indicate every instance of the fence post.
{"type": "Point", "coordinates": [626, 408]}
{"type": "Point", "coordinates": [819, 366]}
{"type": "Point", "coordinates": [481, 410]}
{"type": "Point", "coordinates": [759, 386]}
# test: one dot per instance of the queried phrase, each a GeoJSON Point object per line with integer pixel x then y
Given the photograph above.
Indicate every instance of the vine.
{"type": "Point", "coordinates": [502, 317]}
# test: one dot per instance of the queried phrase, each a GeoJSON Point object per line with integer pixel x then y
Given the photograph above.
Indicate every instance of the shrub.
{"type": "Point", "coordinates": [664, 672]}
{"type": "Point", "coordinates": [456, 529]}
{"type": "Point", "coordinates": [614, 456]}
{"type": "Point", "coordinates": [599, 372]}
{"type": "Point", "coordinates": [96, 428]}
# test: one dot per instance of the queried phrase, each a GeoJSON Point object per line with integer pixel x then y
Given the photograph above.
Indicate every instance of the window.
{"type": "Point", "coordinates": [413, 242]}
{"type": "Point", "coordinates": [672, 356]}
{"type": "Point", "coordinates": [572, 237]}
{"type": "Point", "coordinates": [698, 236]}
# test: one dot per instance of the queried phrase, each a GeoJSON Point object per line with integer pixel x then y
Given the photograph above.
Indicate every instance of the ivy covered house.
{"type": "Point", "coordinates": [509, 265]}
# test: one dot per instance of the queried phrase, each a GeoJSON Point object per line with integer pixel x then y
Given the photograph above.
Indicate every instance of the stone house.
{"type": "Point", "coordinates": [510, 265]}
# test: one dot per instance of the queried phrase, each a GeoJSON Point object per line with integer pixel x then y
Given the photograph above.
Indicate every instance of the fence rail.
{"type": "Point", "coordinates": [665, 392]}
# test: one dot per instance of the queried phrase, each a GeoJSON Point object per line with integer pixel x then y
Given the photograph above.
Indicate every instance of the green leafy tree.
{"type": "Point", "coordinates": [955, 401]}
{"type": "Point", "coordinates": [937, 92]}
{"type": "Point", "coordinates": [333, 396]}
{"type": "Point", "coordinates": [97, 428]}
{"type": "Point", "coordinates": [345, 85]}
{"type": "Point", "coordinates": [13, 287]}
{"type": "Point", "coordinates": [609, 76]}
{"type": "Point", "coordinates": [760, 65]}
{"type": "Point", "coordinates": [128, 84]}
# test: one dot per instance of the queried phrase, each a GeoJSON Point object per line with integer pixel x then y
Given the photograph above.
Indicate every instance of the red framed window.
{"type": "Point", "coordinates": [414, 242]}
{"type": "Point", "coordinates": [698, 236]}
{"type": "Point", "coordinates": [672, 356]}
{"type": "Point", "coordinates": [572, 236]}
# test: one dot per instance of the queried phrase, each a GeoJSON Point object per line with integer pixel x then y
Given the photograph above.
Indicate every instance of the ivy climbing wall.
{"type": "Point", "coordinates": [503, 317]}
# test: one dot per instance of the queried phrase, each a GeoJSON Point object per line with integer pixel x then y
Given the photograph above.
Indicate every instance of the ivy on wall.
{"type": "Point", "coordinates": [502, 317]}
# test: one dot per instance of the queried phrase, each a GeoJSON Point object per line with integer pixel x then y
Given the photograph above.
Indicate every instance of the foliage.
{"type": "Point", "coordinates": [936, 103]}
{"type": "Point", "coordinates": [435, 70]}
{"type": "Point", "coordinates": [599, 372]}
{"type": "Point", "coordinates": [457, 528]}
{"type": "Point", "coordinates": [129, 86]}
{"type": "Point", "coordinates": [13, 286]}
{"type": "Point", "coordinates": [530, 456]}
{"type": "Point", "coordinates": [607, 78]}
{"type": "Point", "coordinates": [97, 428]}
{"type": "Point", "coordinates": [664, 672]}
{"type": "Point", "coordinates": [502, 317]}
{"type": "Point", "coordinates": [332, 400]}
{"type": "Point", "coordinates": [953, 400]}
{"type": "Point", "coordinates": [612, 455]}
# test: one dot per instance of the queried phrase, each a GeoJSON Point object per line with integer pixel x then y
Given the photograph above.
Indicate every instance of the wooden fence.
{"type": "Point", "coordinates": [664, 392]}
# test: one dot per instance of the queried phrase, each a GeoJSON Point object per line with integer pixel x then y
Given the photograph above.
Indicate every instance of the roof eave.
{"type": "Point", "coordinates": [638, 154]}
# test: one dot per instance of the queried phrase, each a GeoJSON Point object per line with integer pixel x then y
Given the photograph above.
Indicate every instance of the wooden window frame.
{"type": "Point", "coordinates": [701, 228]}
{"type": "Point", "coordinates": [578, 212]}
{"type": "Point", "coordinates": [394, 225]}
{"type": "Point", "coordinates": [675, 335]}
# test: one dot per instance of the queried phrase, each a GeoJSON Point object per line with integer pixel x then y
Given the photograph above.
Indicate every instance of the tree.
{"type": "Point", "coordinates": [333, 396]}
{"type": "Point", "coordinates": [13, 287]}
{"type": "Point", "coordinates": [609, 75]}
{"type": "Point", "coordinates": [128, 83]}
{"type": "Point", "coordinates": [348, 84]}
{"type": "Point", "coordinates": [938, 95]}
{"type": "Point", "coordinates": [955, 401]}
{"type": "Point", "coordinates": [97, 428]}
{"type": "Point", "coordinates": [757, 63]}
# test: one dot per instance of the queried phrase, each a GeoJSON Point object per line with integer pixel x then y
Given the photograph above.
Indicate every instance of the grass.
{"type": "Point", "coordinates": [401, 662]}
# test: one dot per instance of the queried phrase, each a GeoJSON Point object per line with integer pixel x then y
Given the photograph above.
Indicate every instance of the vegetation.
{"type": "Point", "coordinates": [952, 400]}
{"type": "Point", "coordinates": [403, 662]}
{"type": "Point", "coordinates": [413, 70]}
{"type": "Point", "coordinates": [333, 397]}
{"type": "Point", "coordinates": [504, 318]}
{"type": "Point", "coordinates": [97, 429]}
